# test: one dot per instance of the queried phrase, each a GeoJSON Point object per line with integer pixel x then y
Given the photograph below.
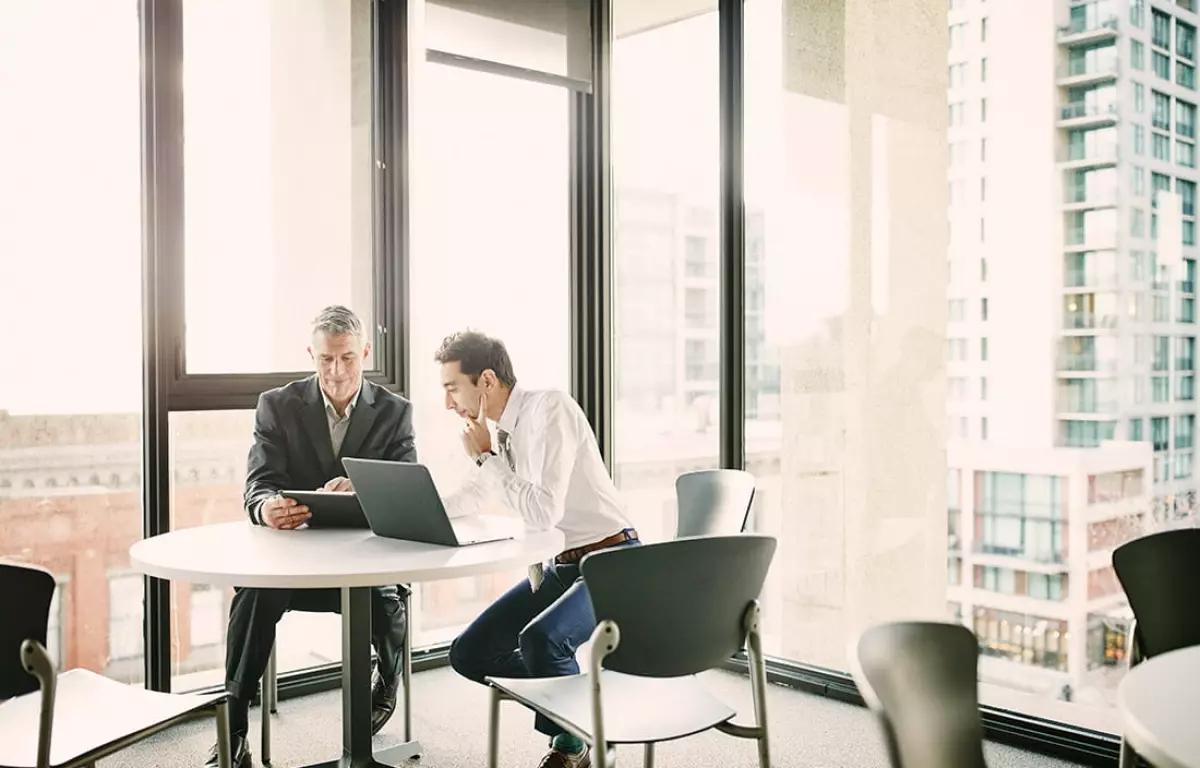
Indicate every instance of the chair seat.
{"type": "Point", "coordinates": [90, 712]}
{"type": "Point", "coordinates": [637, 710]}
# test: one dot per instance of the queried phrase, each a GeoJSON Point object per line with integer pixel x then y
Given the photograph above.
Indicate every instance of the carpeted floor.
{"type": "Point", "coordinates": [450, 720]}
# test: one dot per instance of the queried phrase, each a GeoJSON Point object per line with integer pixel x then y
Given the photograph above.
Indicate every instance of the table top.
{"type": "Point", "coordinates": [1160, 708]}
{"type": "Point", "coordinates": [244, 555]}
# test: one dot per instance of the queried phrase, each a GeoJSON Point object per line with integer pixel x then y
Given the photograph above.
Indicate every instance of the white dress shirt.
{"type": "Point", "coordinates": [339, 424]}
{"type": "Point", "coordinates": [559, 481]}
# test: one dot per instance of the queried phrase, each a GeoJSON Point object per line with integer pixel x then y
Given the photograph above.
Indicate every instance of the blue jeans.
{"type": "Point", "coordinates": [530, 634]}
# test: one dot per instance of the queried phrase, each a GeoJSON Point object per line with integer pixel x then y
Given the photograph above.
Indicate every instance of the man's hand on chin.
{"type": "Point", "coordinates": [476, 438]}
{"type": "Point", "coordinates": [338, 485]}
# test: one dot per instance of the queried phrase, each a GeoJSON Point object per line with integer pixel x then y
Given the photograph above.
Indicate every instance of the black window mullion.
{"type": "Point", "coordinates": [161, 32]}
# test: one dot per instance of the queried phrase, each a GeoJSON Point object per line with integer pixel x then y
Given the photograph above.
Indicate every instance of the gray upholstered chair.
{"type": "Point", "coordinates": [1160, 574]}
{"type": "Point", "coordinates": [74, 718]}
{"type": "Point", "coordinates": [713, 502]}
{"type": "Point", "coordinates": [665, 613]}
{"type": "Point", "coordinates": [920, 678]}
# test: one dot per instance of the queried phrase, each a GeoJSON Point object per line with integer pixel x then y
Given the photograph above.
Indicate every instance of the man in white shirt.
{"type": "Point", "coordinates": [545, 465]}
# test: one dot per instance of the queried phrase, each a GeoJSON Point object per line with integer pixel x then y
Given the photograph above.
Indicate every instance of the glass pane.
{"type": "Point", "coordinates": [208, 478]}
{"type": "Point", "coordinates": [510, 183]}
{"type": "Point", "coordinates": [548, 35]}
{"type": "Point", "coordinates": [847, 240]}
{"type": "Point", "coordinates": [278, 160]}
{"type": "Point", "coordinates": [666, 278]}
{"type": "Point", "coordinates": [70, 295]}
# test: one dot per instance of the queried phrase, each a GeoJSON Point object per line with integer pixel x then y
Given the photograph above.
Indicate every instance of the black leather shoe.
{"type": "Point", "coordinates": [241, 754]}
{"type": "Point", "coordinates": [384, 690]}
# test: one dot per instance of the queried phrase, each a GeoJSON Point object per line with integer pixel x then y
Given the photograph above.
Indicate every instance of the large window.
{"type": "Point", "coordinates": [491, 251]}
{"type": "Point", "coordinates": [70, 272]}
{"type": "Point", "coordinates": [666, 246]}
{"type": "Point", "coordinates": [278, 200]}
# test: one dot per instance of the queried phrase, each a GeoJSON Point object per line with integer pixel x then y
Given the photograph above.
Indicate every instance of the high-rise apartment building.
{"type": "Point", "coordinates": [1071, 315]}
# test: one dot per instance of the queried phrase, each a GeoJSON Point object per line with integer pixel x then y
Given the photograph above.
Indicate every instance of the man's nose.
{"type": "Point", "coordinates": [449, 403]}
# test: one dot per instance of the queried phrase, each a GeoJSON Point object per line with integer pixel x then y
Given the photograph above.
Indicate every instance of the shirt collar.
{"type": "Point", "coordinates": [349, 407]}
{"type": "Point", "coordinates": [512, 409]}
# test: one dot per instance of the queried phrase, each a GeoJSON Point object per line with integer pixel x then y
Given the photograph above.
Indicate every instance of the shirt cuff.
{"type": "Point", "coordinates": [256, 517]}
{"type": "Point", "coordinates": [494, 471]}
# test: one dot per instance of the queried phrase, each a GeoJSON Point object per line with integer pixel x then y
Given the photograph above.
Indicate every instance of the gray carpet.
{"type": "Point", "coordinates": [450, 719]}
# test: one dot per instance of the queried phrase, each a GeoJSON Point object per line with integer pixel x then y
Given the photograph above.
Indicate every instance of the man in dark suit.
{"type": "Point", "coordinates": [301, 432]}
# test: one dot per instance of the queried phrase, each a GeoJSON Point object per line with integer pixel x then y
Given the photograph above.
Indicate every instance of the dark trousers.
{"type": "Point", "coordinates": [254, 613]}
{"type": "Point", "coordinates": [529, 634]}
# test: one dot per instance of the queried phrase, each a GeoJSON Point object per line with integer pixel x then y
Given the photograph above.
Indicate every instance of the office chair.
{"type": "Point", "coordinates": [77, 717]}
{"type": "Point", "coordinates": [650, 644]}
{"type": "Point", "coordinates": [920, 679]}
{"type": "Point", "coordinates": [713, 502]}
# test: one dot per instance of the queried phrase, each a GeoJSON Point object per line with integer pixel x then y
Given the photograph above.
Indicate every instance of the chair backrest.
{"type": "Point", "coordinates": [25, 595]}
{"type": "Point", "coordinates": [679, 605]}
{"type": "Point", "coordinates": [921, 678]}
{"type": "Point", "coordinates": [1160, 574]}
{"type": "Point", "coordinates": [713, 502]}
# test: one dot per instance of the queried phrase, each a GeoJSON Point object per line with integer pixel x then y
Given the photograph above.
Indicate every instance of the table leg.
{"type": "Point", "coordinates": [356, 691]}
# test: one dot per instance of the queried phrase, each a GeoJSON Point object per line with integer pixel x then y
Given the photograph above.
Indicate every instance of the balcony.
{"type": "Point", "coordinates": [1090, 279]}
{"type": "Point", "coordinates": [1086, 31]}
{"type": "Point", "coordinates": [1082, 114]}
{"type": "Point", "coordinates": [1075, 321]}
{"type": "Point", "coordinates": [1083, 200]}
{"type": "Point", "coordinates": [997, 554]}
{"type": "Point", "coordinates": [1085, 364]}
{"type": "Point", "coordinates": [1081, 239]}
{"type": "Point", "coordinates": [1084, 157]}
{"type": "Point", "coordinates": [1082, 73]}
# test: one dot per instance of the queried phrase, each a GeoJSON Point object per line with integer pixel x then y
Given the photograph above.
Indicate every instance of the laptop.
{"type": "Point", "coordinates": [400, 501]}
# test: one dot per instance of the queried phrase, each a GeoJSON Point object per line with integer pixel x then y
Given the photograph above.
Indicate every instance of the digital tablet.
{"type": "Point", "coordinates": [330, 509]}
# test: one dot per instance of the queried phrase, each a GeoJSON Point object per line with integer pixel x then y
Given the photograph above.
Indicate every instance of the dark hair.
{"type": "Point", "coordinates": [475, 353]}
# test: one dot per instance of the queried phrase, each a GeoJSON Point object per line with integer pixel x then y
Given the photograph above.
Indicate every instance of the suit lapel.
{"type": "Point", "coordinates": [361, 420]}
{"type": "Point", "coordinates": [317, 425]}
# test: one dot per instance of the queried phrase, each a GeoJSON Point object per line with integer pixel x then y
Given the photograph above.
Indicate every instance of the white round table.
{"type": "Point", "coordinates": [354, 560]}
{"type": "Point", "coordinates": [1160, 709]}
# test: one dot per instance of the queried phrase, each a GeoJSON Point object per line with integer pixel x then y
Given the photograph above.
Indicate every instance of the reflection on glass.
{"type": "Point", "coordinates": [279, 166]}
{"type": "Point", "coordinates": [491, 251]}
{"type": "Point", "coordinates": [666, 273]}
{"type": "Point", "coordinates": [549, 36]}
{"type": "Point", "coordinates": [70, 276]}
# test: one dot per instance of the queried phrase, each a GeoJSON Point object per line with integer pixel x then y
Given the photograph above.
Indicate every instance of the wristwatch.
{"type": "Point", "coordinates": [484, 457]}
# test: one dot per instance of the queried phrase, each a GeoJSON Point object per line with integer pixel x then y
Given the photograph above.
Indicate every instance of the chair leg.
{"type": "Point", "coordinates": [224, 758]}
{"type": "Point", "coordinates": [271, 682]}
{"type": "Point", "coordinates": [1128, 757]}
{"type": "Point", "coordinates": [406, 662]}
{"type": "Point", "coordinates": [494, 728]}
{"type": "Point", "coordinates": [270, 695]}
{"type": "Point", "coordinates": [758, 685]}
{"type": "Point", "coordinates": [648, 752]}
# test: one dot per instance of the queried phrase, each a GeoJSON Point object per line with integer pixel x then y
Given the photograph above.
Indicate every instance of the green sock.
{"type": "Point", "coordinates": [571, 745]}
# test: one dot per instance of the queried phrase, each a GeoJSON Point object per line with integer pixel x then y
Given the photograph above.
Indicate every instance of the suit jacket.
{"type": "Point", "coordinates": [293, 451]}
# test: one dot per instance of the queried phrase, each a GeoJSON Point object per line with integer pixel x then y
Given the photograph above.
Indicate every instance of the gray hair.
{"type": "Point", "coordinates": [336, 320]}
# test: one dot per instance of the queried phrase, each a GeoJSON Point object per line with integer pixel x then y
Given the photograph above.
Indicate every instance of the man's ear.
{"type": "Point", "coordinates": [366, 350]}
{"type": "Point", "coordinates": [488, 378]}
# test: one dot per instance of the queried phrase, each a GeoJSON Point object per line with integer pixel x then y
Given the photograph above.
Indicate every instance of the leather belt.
{"type": "Point", "coordinates": [575, 555]}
